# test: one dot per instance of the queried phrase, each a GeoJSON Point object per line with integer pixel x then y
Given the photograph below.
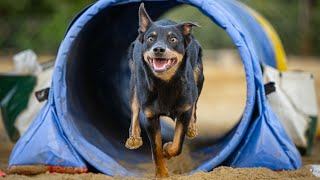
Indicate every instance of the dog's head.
{"type": "Point", "coordinates": [163, 43]}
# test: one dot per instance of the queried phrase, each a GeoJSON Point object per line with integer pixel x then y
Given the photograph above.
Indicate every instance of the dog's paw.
{"type": "Point", "coordinates": [134, 142]}
{"type": "Point", "coordinates": [191, 133]}
{"type": "Point", "coordinates": [163, 174]}
{"type": "Point", "coordinates": [166, 150]}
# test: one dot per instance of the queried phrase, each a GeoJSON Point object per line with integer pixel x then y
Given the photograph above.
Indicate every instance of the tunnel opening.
{"type": "Point", "coordinates": [86, 118]}
{"type": "Point", "coordinates": [97, 80]}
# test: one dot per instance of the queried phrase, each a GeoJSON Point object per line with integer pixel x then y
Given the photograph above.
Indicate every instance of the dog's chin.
{"type": "Point", "coordinates": [160, 66]}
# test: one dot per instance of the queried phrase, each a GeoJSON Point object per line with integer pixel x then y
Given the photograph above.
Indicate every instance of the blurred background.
{"type": "Point", "coordinates": [41, 24]}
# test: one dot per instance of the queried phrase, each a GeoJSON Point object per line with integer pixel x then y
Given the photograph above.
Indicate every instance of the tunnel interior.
{"type": "Point", "coordinates": [97, 77]}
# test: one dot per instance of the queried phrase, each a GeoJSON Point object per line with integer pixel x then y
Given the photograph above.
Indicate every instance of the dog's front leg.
{"type": "Point", "coordinates": [154, 133]}
{"type": "Point", "coordinates": [134, 141]}
{"type": "Point", "coordinates": [172, 149]}
{"type": "Point", "coordinates": [192, 129]}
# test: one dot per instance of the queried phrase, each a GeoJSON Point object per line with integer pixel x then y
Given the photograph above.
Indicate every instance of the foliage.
{"type": "Point", "coordinates": [35, 24]}
{"type": "Point", "coordinates": [41, 24]}
{"type": "Point", "coordinates": [282, 14]}
{"type": "Point", "coordinates": [210, 35]}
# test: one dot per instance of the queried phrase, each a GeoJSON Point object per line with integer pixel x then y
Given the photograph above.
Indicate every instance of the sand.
{"type": "Point", "coordinates": [226, 74]}
{"type": "Point", "coordinates": [226, 173]}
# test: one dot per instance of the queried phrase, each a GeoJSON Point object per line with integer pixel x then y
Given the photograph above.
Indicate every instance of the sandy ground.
{"type": "Point", "coordinates": [224, 89]}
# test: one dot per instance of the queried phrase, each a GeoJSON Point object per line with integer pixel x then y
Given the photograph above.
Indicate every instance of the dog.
{"type": "Point", "coordinates": [166, 80]}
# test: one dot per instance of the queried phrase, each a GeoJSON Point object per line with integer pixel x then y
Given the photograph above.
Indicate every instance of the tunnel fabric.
{"type": "Point", "coordinates": [86, 118]}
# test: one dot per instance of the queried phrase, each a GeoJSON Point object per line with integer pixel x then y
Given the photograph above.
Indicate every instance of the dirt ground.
{"type": "Point", "coordinates": [225, 86]}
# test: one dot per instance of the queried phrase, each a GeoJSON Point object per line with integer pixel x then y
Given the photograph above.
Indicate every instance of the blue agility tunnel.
{"type": "Point", "coordinates": [85, 122]}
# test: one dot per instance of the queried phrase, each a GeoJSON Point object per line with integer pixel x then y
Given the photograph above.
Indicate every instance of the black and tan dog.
{"type": "Point", "coordinates": [166, 80]}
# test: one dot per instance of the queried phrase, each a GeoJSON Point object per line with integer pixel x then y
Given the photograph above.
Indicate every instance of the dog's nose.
{"type": "Point", "coordinates": [159, 50]}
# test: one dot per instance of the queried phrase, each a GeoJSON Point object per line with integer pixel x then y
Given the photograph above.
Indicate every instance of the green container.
{"type": "Point", "coordinates": [15, 91]}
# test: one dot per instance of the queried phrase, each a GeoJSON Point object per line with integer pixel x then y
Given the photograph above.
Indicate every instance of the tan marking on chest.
{"type": "Point", "coordinates": [148, 112]}
{"type": "Point", "coordinates": [185, 108]}
{"type": "Point", "coordinates": [196, 74]}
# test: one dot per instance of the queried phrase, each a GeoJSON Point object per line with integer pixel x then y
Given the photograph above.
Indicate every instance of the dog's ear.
{"type": "Point", "coordinates": [186, 29]}
{"type": "Point", "coordinates": [144, 21]}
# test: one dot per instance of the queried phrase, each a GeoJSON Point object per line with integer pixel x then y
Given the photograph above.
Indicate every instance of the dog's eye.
{"type": "Point", "coordinates": [150, 39]}
{"type": "Point", "coordinates": [173, 39]}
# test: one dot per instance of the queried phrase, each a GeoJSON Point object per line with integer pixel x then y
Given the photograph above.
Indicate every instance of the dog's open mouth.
{"type": "Point", "coordinates": [160, 65]}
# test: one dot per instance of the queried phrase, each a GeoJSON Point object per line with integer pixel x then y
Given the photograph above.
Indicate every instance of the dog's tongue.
{"type": "Point", "coordinates": [159, 64]}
